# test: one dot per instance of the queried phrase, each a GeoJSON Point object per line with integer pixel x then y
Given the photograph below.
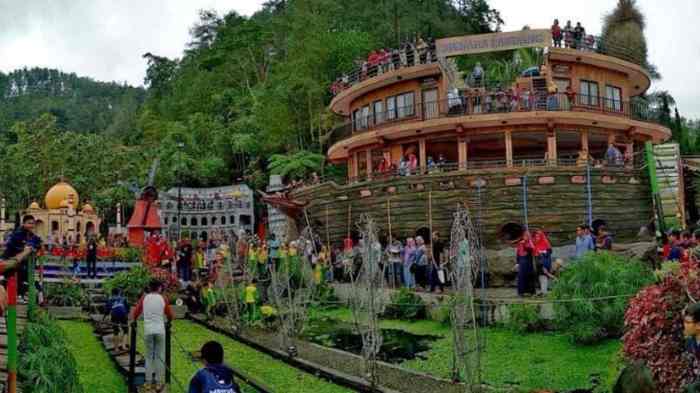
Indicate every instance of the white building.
{"type": "Point", "coordinates": [208, 213]}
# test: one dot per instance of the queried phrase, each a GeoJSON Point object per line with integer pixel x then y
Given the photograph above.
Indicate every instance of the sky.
{"type": "Point", "coordinates": [105, 39]}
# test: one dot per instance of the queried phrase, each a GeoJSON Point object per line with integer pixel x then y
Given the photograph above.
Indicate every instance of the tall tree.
{"type": "Point", "coordinates": [623, 35]}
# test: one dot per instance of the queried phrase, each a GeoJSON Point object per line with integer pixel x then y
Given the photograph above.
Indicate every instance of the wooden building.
{"type": "Point", "coordinates": [532, 153]}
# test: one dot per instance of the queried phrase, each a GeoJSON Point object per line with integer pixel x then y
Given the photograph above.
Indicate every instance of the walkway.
{"type": "Point", "coordinates": [21, 324]}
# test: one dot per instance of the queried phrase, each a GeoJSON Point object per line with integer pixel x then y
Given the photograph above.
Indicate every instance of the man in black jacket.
{"type": "Point", "coordinates": [19, 239]}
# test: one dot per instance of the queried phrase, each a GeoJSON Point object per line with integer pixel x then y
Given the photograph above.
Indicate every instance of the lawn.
{"type": "Point", "coordinates": [530, 361]}
{"type": "Point", "coordinates": [96, 371]}
{"type": "Point", "coordinates": [188, 337]}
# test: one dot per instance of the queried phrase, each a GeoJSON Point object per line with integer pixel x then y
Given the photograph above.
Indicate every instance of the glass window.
{"type": "Point", "coordinates": [193, 221]}
{"type": "Point", "coordinates": [404, 102]}
{"type": "Point", "coordinates": [378, 111]}
{"type": "Point", "coordinates": [356, 119]}
{"type": "Point", "coordinates": [391, 108]}
{"type": "Point", "coordinates": [613, 98]}
{"type": "Point", "coordinates": [223, 220]}
{"type": "Point", "coordinates": [588, 94]}
{"type": "Point", "coordinates": [364, 117]}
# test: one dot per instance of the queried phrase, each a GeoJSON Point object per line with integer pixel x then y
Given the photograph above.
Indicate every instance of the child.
{"type": "Point", "coordinates": [251, 292]}
{"type": "Point", "coordinates": [209, 298]}
{"type": "Point", "coordinates": [119, 314]}
{"type": "Point", "coordinates": [215, 376]}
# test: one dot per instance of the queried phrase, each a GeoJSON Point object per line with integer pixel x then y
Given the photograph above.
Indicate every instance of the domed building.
{"type": "Point", "coordinates": [62, 216]}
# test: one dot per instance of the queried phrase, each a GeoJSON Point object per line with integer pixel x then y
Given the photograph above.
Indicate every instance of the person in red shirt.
{"type": "Point", "coordinates": [157, 250]}
{"type": "Point", "coordinates": [543, 251]}
{"type": "Point", "coordinates": [556, 34]}
{"type": "Point", "coordinates": [523, 255]}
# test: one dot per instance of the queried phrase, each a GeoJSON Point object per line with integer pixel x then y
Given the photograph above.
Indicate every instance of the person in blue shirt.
{"type": "Point", "coordinates": [215, 377]}
{"type": "Point", "coordinates": [584, 241]}
{"type": "Point", "coordinates": [21, 238]}
{"type": "Point", "coordinates": [676, 249]}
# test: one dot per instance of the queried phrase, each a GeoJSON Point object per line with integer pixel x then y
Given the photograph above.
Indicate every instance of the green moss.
{"type": "Point", "coordinates": [96, 371]}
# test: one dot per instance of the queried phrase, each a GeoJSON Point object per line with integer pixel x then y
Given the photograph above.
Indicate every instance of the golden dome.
{"type": "Point", "coordinates": [34, 206]}
{"type": "Point", "coordinates": [59, 193]}
{"type": "Point", "coordinates": [64, 203]}
{"type": "Point", "coordinates": [87, 208]}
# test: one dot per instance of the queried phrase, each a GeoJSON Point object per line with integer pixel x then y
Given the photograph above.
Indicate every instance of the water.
{"type": "Point", "coordinates": [397, 345]}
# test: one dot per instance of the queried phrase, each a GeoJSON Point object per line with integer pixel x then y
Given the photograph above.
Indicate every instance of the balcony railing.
{"type": "Point", "coordinates": [496, 102]}
{"type": "Point", "coordinates": [402, 58]}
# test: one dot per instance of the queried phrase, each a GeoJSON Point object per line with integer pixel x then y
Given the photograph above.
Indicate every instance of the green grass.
{"type": "Point", "coordinates": [531, 361]}
{"type": "Point", "coordinates": [188, 337]}
{"type": "Point", "coordinates": [96, 371]}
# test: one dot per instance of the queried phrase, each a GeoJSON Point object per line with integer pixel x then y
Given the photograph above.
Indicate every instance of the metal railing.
{"type": "Point", "coordinates": [518, 163]}
{"type": "Point", "coordinates": [495, 102]}
{"type": "Point", "coordinates": [408, 57]}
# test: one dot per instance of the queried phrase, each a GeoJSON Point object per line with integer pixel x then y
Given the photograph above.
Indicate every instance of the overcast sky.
{"type": "Point", "coordinates": [105, 39]}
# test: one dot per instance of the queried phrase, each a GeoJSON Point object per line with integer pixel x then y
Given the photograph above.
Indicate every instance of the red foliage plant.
{"type": "Point", "coordinates": [168, 279]}
{"type": "Point", "coordinates": [654, 328]}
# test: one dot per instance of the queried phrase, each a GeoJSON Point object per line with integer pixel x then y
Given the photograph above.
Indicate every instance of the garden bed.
{"type": "Point", "coordinates": [65, 312]}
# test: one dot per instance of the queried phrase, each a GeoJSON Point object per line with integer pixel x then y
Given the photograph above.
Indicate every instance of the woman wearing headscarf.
{"type": "Point", "coordinates": [421, 263]}
{"type": "Point", "coordinates": [409, 260]}
{"type": "Point", "coordinates": [523, 255]}
{"type": "Point", "coordinates": [543, 251]}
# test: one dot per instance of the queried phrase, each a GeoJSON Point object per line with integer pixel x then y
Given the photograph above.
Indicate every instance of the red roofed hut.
{"type": "Point", "coordinates": [146, 217]}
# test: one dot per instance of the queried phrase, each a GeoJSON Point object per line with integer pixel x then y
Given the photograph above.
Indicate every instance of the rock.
{"type": "Point", "coordinates": [644, 251]}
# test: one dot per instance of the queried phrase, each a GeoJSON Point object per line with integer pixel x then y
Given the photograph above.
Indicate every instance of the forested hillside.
{"type": "Point", "coordinates": [78, 103]}
{"type": "Point", "coordinates": [245, 89]}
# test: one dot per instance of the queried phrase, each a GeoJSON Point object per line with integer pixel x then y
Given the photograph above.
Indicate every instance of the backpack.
{"type": "Point", "coordinates": [119, 308]}
{"type": "Point", "coordinates": [212, 384]}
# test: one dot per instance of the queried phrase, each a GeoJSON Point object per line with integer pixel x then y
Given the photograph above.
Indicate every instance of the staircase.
{"type": "Point", "coordinates": [670, 182]}
{"type": "Point", "coordinates": [455, 79]}
{"type": "Point", "coordinates": [539, 87]}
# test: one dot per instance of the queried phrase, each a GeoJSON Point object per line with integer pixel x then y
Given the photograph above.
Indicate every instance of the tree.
{"type": "Point", "coordinates": [623, 35]}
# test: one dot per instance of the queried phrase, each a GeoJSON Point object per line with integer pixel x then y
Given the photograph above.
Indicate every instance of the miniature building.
{"type": "Point", "coordinates": [208, 213]}
{"type": "Point", "coordinates": [145, 218]}
{"type": "Point", "coordinates": [532, 153]}
{"type": "Point", "coordinates": [62, 217]}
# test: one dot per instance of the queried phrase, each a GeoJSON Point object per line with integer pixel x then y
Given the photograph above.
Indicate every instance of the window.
{"type": "Point", "coordinates": [588, 94]}
{"type": "Point", "coordinates": [204, 221]}
{"type": "Point", "coordinates": [223, 220]}
{"type": "Point", "coordinates": [613, 98]}
{"type": "Point", "coordinates": [364, 117]}
{"type": "Point", "coordinates": [193, 221]}
{"type": "Point", "coordinates": [378, 109]}
{"type": "Point", "coordinates": [166, 220]}
{"type": "Point", "coordinates": [404, 102]}
{"type": "Point", "coordinates": [232, 220]}
{"type": "Point", "coordinates": [183, 221]}
{"type": "Point", "coordinates": [391, 108]}
{"type": "Point", "coordinates": [213, 221]}
{"type": "Point", "coordinates": [356, 119]}
{"type": "Point", "coordinates": [245, 220]}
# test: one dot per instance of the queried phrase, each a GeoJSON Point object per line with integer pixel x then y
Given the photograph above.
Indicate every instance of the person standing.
{"type": "Point", "coordinates": [155, 309]}
{"type": "Point", "coordinates": [603, 240]}
{"type": "Point", "coordinates": [523, 252]}
{"type": "Point", "coordinates": [17, 242]}
{"type": "Point", "coordinates": [568, 35]}
{"type": "Point", "coordinates": [118, 310]}
{"type": "Point", "coordinates": [421, 263]}
{"type": "Point", "coordinates": [584, 242]}
{"type": "Point", "coordinates": [556, 33]}
{"type": "Point", "coordinates": [91, 258]}
{"type": "Point", "coordinates": [215, 376]}
{"type": "Point", "coordinates": [409, 263]}
{"type": "Point", "coordinates": [184, 260]}
{"type": "Point", "coordinates": [543, 251]}
{"type": "Point", "coordinates": [436, 265]}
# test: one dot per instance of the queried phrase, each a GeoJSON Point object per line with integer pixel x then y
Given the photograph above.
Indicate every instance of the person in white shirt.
{"type": "Point", "coordinates": [155, 309]}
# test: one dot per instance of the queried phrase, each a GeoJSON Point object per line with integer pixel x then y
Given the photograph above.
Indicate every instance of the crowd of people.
{"type": "Point", "coordinates": [570, 36]}
{"type": "Point", "coordinates": [410, 53]}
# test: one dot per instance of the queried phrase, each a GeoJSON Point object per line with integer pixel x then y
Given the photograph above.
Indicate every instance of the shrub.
{"type": "Point", "coordinates": [65, 294]}
{"type": "Point", "coordinates": [405, 304]}
{"type": "Point", "coordinates": [131, 283]}
{"type": "Point", "coordinates": [524, 318]}
{"type": "Point", "coordinates": [654, 328]}
{"type": "Point", "coordinates": [599, 275]}
{"type": "Point", "coordinates": [42, 345]}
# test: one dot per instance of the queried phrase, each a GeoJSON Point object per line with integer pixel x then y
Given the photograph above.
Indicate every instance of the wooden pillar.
{"type": "Point", "coordinates": [422, 159]}
{"type": "Point", "coordinates": [584, 141]}
{"type": "Point", "coordinates": [509, 149]}
{"type": "Point", "coordinates": [368, 157]}
{"type": "Point", "coordinates": [462, 152]}
{"type": "Point", "coordinates": [355, 166]}
{"type": "Point", "coordinates": [611, 138]}
{"type": "Point", "coordinates": [552, 147]}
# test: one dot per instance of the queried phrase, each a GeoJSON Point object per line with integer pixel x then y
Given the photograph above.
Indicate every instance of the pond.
{"type": "Point", "coordinates": [397, 345]}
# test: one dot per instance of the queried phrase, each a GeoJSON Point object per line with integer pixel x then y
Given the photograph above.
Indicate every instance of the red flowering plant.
{"type": "Point", "coordinates": [654, 327]}
{"type": "Point", "coordinates": [171, 285]}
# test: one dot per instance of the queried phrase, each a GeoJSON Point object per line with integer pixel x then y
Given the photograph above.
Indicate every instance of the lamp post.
{"type": "Point", "coordinates": [180, 146]}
